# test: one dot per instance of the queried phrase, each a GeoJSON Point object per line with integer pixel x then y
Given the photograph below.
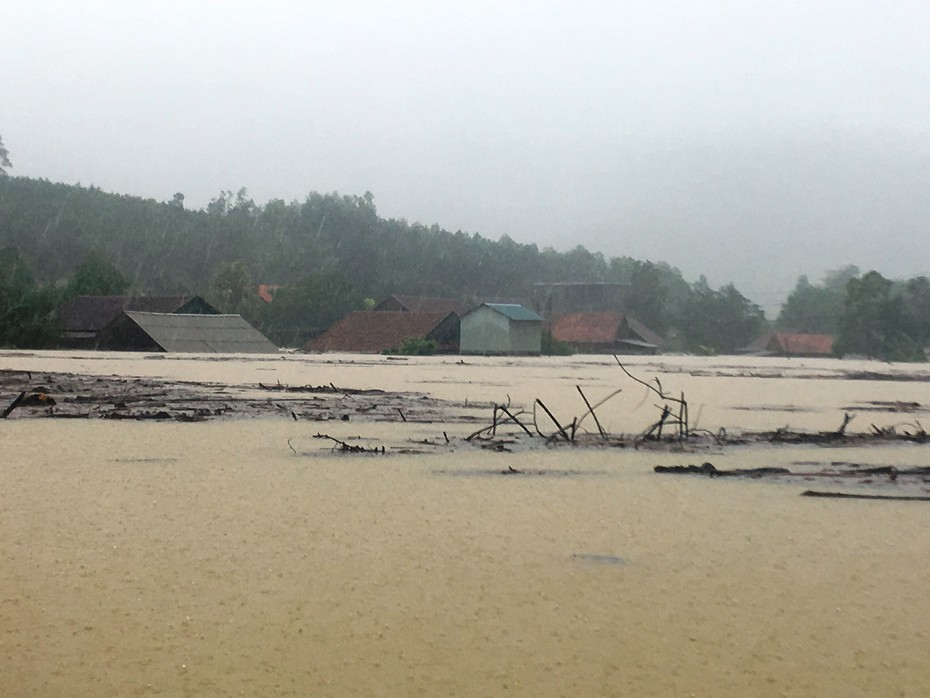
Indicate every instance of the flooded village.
{"type": "Point", "coordinates": [474, 349]}
{"type": "Point", "coordinates": [188, 524]}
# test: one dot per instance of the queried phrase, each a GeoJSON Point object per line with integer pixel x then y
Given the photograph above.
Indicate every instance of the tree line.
{"type": "Point", "coordinates": [329, 254]}
{"type": "Point", "coordinates": [868, 314]}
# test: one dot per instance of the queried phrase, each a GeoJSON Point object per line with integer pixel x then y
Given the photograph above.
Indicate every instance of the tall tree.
{"type": "Point", "coordinates": [97, 276]}
{"type": "Point", "coordinates": [304, 310]}
{"type": "Point", "coordinates": [873, 321]}
{"type": "Point", "coordinates": [647, 296]}
{"type": "Point", "coordinates": [717, 321]}
{"type": "Point", "coordinates": [26, 309]}
{"type": "Point", "coordinates": [817, 307]}
{"type": "Point", "coordinates": [4, 158]}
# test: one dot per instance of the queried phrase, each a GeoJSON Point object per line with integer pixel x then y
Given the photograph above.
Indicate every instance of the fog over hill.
{"type": "Point", "coordinates": [752, 142]}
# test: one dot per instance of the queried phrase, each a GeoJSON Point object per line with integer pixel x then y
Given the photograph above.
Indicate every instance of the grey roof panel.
{"type": "Point", "coordinates": [222, 334]}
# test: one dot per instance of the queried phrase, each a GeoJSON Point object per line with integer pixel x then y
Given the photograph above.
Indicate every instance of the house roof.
{"type": "Point", "coordinates": [587, 328]}
{"type": "Point", "coordinates": [644, 332]}
{"type": "Point", "coordinates": [512, 311]}
{"type": "Point", "coordinates": [374, 331]}
{"type": "Point", "coordinates": [797, 343]}
{"type": "Point", "coordinates": [425, 304]}
{"type": "Point", "coordinates": [93, 313]}
{"type": "Point", "coordinates": [602, 327]}
{"type": "Point", "coordinates": [793, 343]}
{"type": "Point", "coordinates": [222, 334]}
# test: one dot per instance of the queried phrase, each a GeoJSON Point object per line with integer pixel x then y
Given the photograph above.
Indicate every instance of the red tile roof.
{"type": "Point", "coordinates": [804, 344]}
{"type": "Point", "coordinates": [602, 328]}
{"type": "Point", "coordinates": [374, 331]}
{"type": "Point", "coordinates": [587, 328]}
{"type": "Point", "coordinates": [793, 344]}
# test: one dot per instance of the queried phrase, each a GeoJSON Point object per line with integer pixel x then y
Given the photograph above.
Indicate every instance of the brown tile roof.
{"type": "Point", "coordinates": [422, 304]}
{"type": "Point", "coordinates": [587, 328]}
{"type": "Point", "coordinates": [602, 328]}
{"type": "Point", "coordinates": [808, 344]}
{"type": "Point", "coordinates": [374, 331]}
{"type": "Point", "coordinates": [93, 313]}
{"type": "Point", "coordinates": [793, 344]}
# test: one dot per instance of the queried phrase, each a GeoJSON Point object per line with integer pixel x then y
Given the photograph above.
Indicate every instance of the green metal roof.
{"type": "Point", "coordinates": [514, 311]}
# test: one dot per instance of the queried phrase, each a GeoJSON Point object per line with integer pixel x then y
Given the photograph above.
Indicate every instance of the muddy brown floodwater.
{"type": "Point", "coordinates": [241, 556]}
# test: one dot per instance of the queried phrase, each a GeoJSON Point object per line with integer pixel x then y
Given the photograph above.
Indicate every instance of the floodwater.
{"type": "Point", "coordinates": [210, 559]}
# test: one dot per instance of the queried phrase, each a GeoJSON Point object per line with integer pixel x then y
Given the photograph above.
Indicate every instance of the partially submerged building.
{"type": "Point", "coordinates": [84, 317]}
{"type": "Point", "coordinates": [801, 344]}
{"type": "Point", "coordinates": [175, 332]}
{"type": "Point", "coordinates": [501, 328]}
{"type": "Point", "coordinates": [606, 333]}
{"type": "Point", "coordinates": [377, 331]}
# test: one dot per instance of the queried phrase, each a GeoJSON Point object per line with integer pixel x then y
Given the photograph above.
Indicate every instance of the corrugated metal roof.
{"type": "Point", "coordinates": [221, 334]}
{"type": "Point", "coordinates": [513, 311]}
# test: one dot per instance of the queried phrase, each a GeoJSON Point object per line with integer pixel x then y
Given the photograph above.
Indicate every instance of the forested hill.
{"type": "Point", "coordinates": [163, 247]}
{"type": "Point", "coordinates": [329, 253]}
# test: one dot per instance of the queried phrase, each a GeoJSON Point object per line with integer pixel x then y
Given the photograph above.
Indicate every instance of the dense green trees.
{"type": "Point", "coordinates": [97, 276]}
{"type": "Point", "coordinates": [876, 320]}
{"type": "Point", "coordinates": [26, 309]}
{"type": "Point", "coordinates": [303, 310]}
{"type": "Point", "coordinates": [330, 252]}
{"type": "Point", "coordinates": [817, 308]}
{"type": "Point", "coordinates": [719, 321]}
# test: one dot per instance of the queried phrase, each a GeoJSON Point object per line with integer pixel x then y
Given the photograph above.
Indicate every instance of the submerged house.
{"type": "Point", "coordinates": [501, 328]}
{"type": "Point", "coordinates": [377, 331]}
{"type": "Point", "coordinates": [422, 304]}
{"type": "Point", "coordinates": [606, 333]}
{"type": "Point", "coordinates": [800, 344]}
{"type": "Point", "coordinates": [83, 317]}
{"type": "Point", "coordinates": [176, 332]}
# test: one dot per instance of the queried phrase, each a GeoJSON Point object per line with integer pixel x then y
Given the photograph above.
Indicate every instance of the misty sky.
{"type": "Point", "coordinates": [750, 141]}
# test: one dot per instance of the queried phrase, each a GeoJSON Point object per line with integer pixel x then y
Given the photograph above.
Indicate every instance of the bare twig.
{"type": "Point", "coordinates": [590, 411]}
{"type": "Point", "coordinates": [554, 420]}
{"type": "Point", "coordinates": [348, 448]}
{"type": "Point", "coordinates": [13, 405]}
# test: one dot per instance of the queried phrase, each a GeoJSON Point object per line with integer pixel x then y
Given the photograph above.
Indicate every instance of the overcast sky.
{"type": "Point", "coordinates": [749, 141]}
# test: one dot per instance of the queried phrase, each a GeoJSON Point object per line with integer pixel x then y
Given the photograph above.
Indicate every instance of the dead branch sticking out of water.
{"type": "Point", "coordinates": [673, 411]}
{"type": "Point", "coordinates": [654, 433]}
{"type": "Point", "coordinates": [491, 429]}
{"type": "Point", "coordinates": [561, 430]}
{"type": "Point", "coordinates": [591, 412]}
{"type": "Point", "coordinates": [709, 470]}
{"type": "Point", "coordinates": [343, 447]}
{"type": "Point", "coordinates": [847, 495]}
{"type": "Point", "coordinates": [13, 405]}
{"type": "Point", "coordinates": [330, 388]}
